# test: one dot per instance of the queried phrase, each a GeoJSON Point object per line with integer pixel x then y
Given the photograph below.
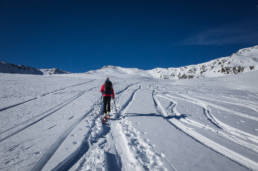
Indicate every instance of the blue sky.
{"type": "Point", "coordinates": [78, 36]}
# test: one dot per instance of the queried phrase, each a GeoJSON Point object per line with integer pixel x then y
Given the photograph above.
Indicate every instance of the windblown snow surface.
{"type": "Point", "coordinates": [54, 123]}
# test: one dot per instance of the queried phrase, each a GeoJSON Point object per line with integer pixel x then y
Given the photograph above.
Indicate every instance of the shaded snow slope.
{"type": "Point", "coordinates": [19, 69]}
{"type": "Point", "coordinates": [53, 122]}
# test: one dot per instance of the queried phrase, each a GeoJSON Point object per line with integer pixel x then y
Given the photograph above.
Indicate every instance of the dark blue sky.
{"type": "Point", "coordinates": [82, 35]}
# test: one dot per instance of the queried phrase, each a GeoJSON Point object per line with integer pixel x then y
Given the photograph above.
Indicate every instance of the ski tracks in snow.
{"type": "Point", "coordinates": [97, 144]}
{"type": "Point", "coordinates": [32, 121]}
{"type": "Point", "coordinates": [231, 131]}
{"type": "Point", "coordinates": [105, 148]}
{"type": "Point", "coordinates": [136, 152]}
{"type": "Point", "coordinates": [120, 146]}
{"type": "Point", "coordinates": [44, 159]}
{"type": "Point", "coordinates": [142, 149]}
{"type": "Point", "coordinates": [115, 146]}
{"type": "Point", "coordinates": [235, 135]}
{"type": "Point", "coordinates": [44, 94]}
{"type": "Point", "coordinates": [92, 118]}
{"type": "Point", "coordinates": [228, 133]}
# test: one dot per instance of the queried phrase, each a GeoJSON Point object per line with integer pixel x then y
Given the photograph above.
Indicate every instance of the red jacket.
{"type": "Point", "coordinates": [102, 91]}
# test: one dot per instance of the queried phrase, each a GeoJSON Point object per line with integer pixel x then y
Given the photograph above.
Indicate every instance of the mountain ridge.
{"type": "Point", "coordinates": [244, 60]}
{"type": "Point", "coordinates": [50, 71]}
{"type": "Point", "coordinates": [18, 69]}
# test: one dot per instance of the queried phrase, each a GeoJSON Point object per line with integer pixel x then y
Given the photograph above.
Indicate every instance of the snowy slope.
{"type": "Point", "coordinates": [53, 122]}
{"type": "Point", "coordinates": [244, 60]}
{"type": "Point", "coordinates": [19, 69]}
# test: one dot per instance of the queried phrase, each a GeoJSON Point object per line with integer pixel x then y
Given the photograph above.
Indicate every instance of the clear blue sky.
{"type": "Point", "coordinates": [78, 36]}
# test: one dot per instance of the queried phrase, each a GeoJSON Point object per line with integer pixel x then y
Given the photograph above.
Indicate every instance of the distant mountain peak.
{"type": "Point", "coordinates": [109, 66]}
{"type": "Point", "coordinates": [50, 71]}
{"type": "Point", "coordinates": [247, 51]}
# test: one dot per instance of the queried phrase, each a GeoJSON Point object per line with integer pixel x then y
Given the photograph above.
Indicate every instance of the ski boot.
{"type": "Point", "coordinates": [105, 118]}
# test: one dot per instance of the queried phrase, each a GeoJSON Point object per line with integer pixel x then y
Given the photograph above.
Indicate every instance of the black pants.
{"type": "Point", "coordinates": [107, 100]}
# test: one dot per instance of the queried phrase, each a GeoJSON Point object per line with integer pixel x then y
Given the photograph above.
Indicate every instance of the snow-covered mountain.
{"type": "Point", "coordinates": [50, 71]}
{"type": "Point", "coordinates": [111, 70]}
{"type": "Point", "coordinates": [244, 60]}
{"type": "Point", "coordinates": [19, 69]}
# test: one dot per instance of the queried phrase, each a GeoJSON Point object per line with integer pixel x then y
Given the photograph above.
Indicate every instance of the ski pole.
{"type": "Point", "coordinates": [115, 105]}
{"type": "Point", "coordinates": [102, 105]}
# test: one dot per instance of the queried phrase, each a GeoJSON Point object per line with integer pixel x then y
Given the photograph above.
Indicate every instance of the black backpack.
{"type": "Point", "coordinates": [108, 88]}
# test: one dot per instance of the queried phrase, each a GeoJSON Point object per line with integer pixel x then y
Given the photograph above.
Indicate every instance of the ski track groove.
{"type": "Point", "coordinates": [129, 156]}
{"type": "Point", "coordinates": [224, 151]}
{"type": "Point", "coordinates": [104, 140]}
{"type": "Point", "coordinates": [126, 105]}
{"type": "Point", "coordinates": [45, 114]}
{"type": "Point", "coordinates": [220, 124]}
{"type": "Point", "coordinates": [116, 162]}
{"type": "Point", "coordinates": [17, 104]}
{"type": "Point", "coordinates": [69, 161]}
{"type": "Point", "coordinates": [44, 94]}
{"type": "Point", "coordinates": [156, 104]}
{"type": "Point", "coordinates": [243, 103]}
{"type": "Point", "coordinates": [138, 161]}
{"type": "Point", "coordinates": [235, 138]}
{"type": "Point", "coordinates": [126, 88]}
{"type": "Point", "coordinates": [42, 113]}
{"type": "Point", "coordinates": [71, 86]}
{"type": "Point", "coordinates": [144, 151]}
{"type": "Point", "coordinates": [121, 112]}
{"type": "Point", "coordinates": [53, 148]}
{"type": "Point", "coordinates": [193, 100]}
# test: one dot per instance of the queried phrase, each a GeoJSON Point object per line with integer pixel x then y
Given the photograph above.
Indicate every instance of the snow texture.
{"type": "Point", "coordinates": [53, 122]}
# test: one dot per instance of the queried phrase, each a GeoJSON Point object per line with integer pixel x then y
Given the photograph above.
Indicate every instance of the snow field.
{"type": "Point", "coordinates": [201, 124]}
